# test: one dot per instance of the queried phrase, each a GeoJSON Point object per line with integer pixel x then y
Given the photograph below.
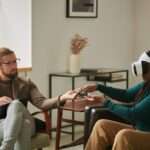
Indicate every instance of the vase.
{"type": "Point", "coordinates": [74, 65]}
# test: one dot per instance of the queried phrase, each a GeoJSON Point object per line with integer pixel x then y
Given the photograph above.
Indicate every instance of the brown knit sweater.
{"type": "Point", "coordinates": [24, 90]}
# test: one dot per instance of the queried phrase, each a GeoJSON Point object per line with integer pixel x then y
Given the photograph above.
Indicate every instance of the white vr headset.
{"type": "Point", "coordinates": [137, 68]}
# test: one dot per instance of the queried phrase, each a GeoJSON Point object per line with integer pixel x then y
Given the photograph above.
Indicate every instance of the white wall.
{"type": "Point", "coordinates": [142, 28]}
{"type": "Point", "coordinates": [111, 38]}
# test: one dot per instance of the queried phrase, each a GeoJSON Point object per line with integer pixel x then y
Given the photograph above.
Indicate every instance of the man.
{"type": "Point", "coordinates": [16, 124]}
{"type": "Point", "coordinates": [122, 136]}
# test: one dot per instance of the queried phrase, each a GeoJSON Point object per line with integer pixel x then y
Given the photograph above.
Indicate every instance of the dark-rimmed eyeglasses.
{"type": "Point", "coordinates": [11, 62]}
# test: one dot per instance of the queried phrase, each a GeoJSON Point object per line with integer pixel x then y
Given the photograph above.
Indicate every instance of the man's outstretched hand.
{"type": "Point", "coordinates": [69, 95]}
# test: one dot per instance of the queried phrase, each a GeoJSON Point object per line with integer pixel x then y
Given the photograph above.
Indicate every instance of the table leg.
{"type": "Point", "coordinates": [58, 130]}
{"type": "Point", "coordinates": [73, 113]}
{"type": "Point", "coordinates": [50, 95]}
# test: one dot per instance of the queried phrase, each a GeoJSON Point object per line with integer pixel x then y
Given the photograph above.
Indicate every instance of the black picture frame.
{"type": "Point", "coordinates": [81, 8]}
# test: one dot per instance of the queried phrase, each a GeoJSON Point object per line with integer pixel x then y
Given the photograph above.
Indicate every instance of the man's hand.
{"type": "Point", "coordinates": [69, 95]}
{"type": "Point", "coordinates": [5, 100]}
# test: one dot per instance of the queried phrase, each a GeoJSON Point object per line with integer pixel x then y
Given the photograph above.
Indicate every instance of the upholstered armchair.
{"type": "Point", "coordinates": [42, 138]}
{"type": "Point", "coordinates": [92, 114]}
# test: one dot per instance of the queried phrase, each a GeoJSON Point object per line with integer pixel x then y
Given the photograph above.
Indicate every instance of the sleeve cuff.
{"type": "Point", "coordinates": [106, 102]}
{"type": "Point", "coordinates": [97, 86]}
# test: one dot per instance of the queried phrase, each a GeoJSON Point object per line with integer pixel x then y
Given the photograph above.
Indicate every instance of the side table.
{"type": "Point", "coordinates": [72, 77]}
{"type": "Point", "coordinates": [76, 105]}
{"type": "Point", "coordinates": [104, 75]}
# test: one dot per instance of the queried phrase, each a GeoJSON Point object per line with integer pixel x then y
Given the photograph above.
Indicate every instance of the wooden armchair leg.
{"type": "Point", "coordinates": [58, 130]}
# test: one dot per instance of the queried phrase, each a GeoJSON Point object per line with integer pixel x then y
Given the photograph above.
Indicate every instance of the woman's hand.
{"type": "Point", "coordinates": [89, 88]}
{"type": "Point", "coordinates": [4, 100]}
{"type": "Point", "coordinates": [95, 98]}
{"type": "Point", "coordinates": [73, 93]}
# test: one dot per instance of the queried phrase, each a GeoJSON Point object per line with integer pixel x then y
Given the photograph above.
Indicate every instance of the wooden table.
{"type": "Point", "coordinates": [104, 75]}
{"type": "Point", "coordinates": [77, 105]}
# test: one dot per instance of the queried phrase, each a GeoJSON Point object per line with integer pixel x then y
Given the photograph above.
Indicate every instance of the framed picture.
{"type": "Point", "coordinates": [81, 8]}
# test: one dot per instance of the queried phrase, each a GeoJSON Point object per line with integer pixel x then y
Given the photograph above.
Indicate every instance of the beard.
{"type": "Point", "coordinates": [11, 75]}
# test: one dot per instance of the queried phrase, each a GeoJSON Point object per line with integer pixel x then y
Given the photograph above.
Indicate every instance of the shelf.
{"type": "Point", "coordinates": [106, 74]}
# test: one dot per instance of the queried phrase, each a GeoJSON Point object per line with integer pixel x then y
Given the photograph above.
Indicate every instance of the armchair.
{"type": "Point", "coordinates": [42, 138]}
{"type": "Point", "coordinates": [92, 114]}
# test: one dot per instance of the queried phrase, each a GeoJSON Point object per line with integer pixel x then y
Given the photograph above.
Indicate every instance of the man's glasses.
{"type": "Point", "coordinates": [11, 62]}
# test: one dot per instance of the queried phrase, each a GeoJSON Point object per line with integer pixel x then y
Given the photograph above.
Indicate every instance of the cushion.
{"type": "Point", "coordinates": [40, 140]}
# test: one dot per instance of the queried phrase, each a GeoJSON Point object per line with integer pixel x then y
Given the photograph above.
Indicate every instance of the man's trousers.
{"type": "Point", "coordinates": [17, 128]}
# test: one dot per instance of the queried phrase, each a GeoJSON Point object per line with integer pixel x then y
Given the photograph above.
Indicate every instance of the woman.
{"type": "Point", "coordinates": [122, 136]}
